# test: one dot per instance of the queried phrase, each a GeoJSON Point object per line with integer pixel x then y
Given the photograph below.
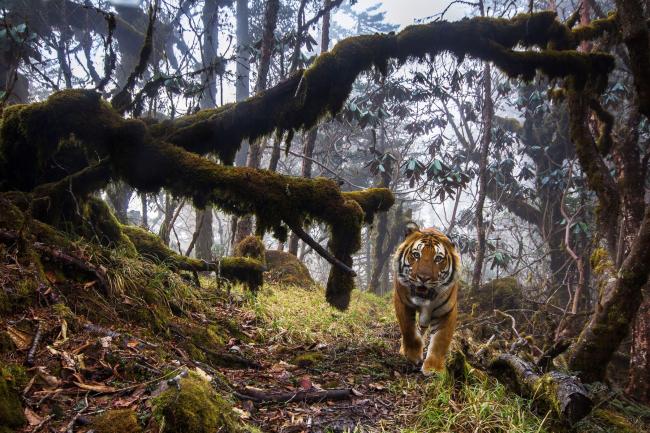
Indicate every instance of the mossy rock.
{"type": "Point", "coordinates": [11, 410]}
{"type": "Point", "coordinates": [251, 247]}
{"type": "Point", "coordinates": [117, 421]}
{"type": "Point", "coordinates": [194, 407]}
{"type": "Point", "coordinates": [308, 359]}
{"type": "Point", "coordinates": [500, 293]}
{"type": "Point", "coordinates": [285, 268]}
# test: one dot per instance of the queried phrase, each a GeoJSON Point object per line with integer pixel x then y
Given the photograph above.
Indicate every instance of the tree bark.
{"type": "Point", "coordinates": [639, 385]}
{"type": "Point", "coordinates": [559, 392]}
{"type": "Point", "coordinates": [611, 322]}
{"type": "Point", "coordinates": [210, 55]}
{"type": "Point", "coordinates": [242, 84]}
{"type": "Point", "coordinates": [205, 237]}
{"type": "Point", "coordinates": [254, 158]}
{"type": "Point", "coordinates": [637, 39]}
{"type": "Point", "coordinates": [310, 142]}
{"type": "Point", "coordinates": [487, 115]}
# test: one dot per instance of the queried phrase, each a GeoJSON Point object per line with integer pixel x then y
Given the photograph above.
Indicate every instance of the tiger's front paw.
{"type": "Point", "coordinates": [412, 351]}
{"type": "Point", "coordinates": [432, 365]}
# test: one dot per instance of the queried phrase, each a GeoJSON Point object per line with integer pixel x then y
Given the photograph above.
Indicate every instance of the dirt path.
{"type": "Point", "coordinates": [386, 389]}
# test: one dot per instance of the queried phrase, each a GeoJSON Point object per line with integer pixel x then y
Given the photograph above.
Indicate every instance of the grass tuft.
{"type": "Point", "coordinates": [295, 315]}
{"type": "Point", "coordinates": [480, 404]}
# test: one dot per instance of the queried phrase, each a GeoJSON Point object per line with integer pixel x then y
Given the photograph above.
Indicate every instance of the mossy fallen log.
{"type": "Point", "coordinates": [148, 164]}
{"type": "Point", "coordinates": [238, 269]}
{"type": "Point", "coordinates": [559, 392]}
{"type": "Point", "coordinates": [305, 97]}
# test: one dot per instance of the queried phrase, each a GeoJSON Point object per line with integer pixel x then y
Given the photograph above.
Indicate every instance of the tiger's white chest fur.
{"type": "Point", "coordinates": [431, 309]}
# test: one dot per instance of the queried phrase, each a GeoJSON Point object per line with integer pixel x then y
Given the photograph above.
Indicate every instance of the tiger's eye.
{"type": "Point", "coordinates": [415, 255]}
{"type": "Point", "coordinates": [439, 259]}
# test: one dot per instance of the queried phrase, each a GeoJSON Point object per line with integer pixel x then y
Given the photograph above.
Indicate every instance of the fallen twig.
{"type": "Point", "coordinates": [70, 427]}
{"type": "Point", "coordinates": [307, 396]}
{"type": "Point", "coordinates": [35, 342]}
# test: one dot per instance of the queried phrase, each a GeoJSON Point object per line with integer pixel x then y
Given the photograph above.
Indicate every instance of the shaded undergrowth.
{"type": "Point", "coordinates": [120, 355]}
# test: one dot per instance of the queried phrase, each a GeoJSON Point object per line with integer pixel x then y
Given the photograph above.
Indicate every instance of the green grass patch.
{"type": "Point", "coordinates": [477, 405]}
{"type": "Point", "coordinates": [302, 316]}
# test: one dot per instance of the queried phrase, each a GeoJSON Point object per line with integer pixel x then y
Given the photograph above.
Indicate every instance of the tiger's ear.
{"type": "Point", "coordinates": [411, 228]}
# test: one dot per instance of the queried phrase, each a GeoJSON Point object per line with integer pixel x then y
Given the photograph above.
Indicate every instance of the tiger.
{"type": "Point", "coordinates": [426, 270]}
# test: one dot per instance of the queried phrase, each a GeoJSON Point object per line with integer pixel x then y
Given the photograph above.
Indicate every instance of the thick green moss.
{"type": "Point", "coordinates": [152, 247]}
{"type": "Point", "coordinates": [307, 359]}
{"type": "Point", "coordinates": [251, 247]}
{"type": "Point", "coordinates": [236, 269]}
{"type": "Point", "coordinates": [46, 141]}
{"type": "Point", "coordinates": [285, 269]}
{"type": "Point", "coordinates": [372, 200]}
{"type": "Point", "coordinates": [117, 421]}
{"type": "Point", "coordinates": [104, 226]}
{"type": "Point", "coordinates": [194, 408]}
{"type": "Point", "coordinates": [11, 410]}
{"type": "Point", "coordinates": [501, 293]}
{"type": "Point", "coordinates": [242, 269]}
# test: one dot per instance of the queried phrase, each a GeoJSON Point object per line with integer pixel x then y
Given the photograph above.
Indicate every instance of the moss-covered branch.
{"type": "Point", "coordinates": [240, 269]}
{"type": "Point", "coordinates": [79, 124]}
{"type": "Point", "coordinates": [301, 100]}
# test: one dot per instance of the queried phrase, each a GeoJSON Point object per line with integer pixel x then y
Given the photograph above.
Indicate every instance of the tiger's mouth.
{"type": "Point", "coordinates": [422, 291]}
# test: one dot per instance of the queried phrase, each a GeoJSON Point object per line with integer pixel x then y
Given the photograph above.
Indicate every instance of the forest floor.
{"type": "Point", "coordinates": [98, 357]}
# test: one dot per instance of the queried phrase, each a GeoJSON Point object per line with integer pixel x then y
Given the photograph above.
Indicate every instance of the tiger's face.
{"type": "Point", "coordinates": [426, 262]}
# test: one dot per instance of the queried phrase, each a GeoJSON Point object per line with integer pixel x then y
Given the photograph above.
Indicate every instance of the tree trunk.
{"type": "Point", "coordinates": [639, 383]}
{"type": "Point", "coordinates": [242, 84]}
{"type": "Point", "coordinates": [637, 39]}
{"type": "Point", "coordinates": [254, 158]}
{"type": "Point", "coordinates": [145, 213]}
{"type": "Point", "coordinates": [275, 155]}
{"type": "Point", "coordinates": [611, 322]}
{"type": "Point", "coordinates": [482, 176]}
{"type": "Point", "coordinates": [381, 263]}
{"type": "Point", "coordinates": [210, 54]}
{"type": "Point", "coordinates": [205, 237]}
{"type": "Point", "coordinates": [310, 142]}
{"type": "Point", "coordinates": [172, 207]}
{"type": "Point", "coordinates": [379, 253]}
{"type": "Point", "coordinates": [119, 195]}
